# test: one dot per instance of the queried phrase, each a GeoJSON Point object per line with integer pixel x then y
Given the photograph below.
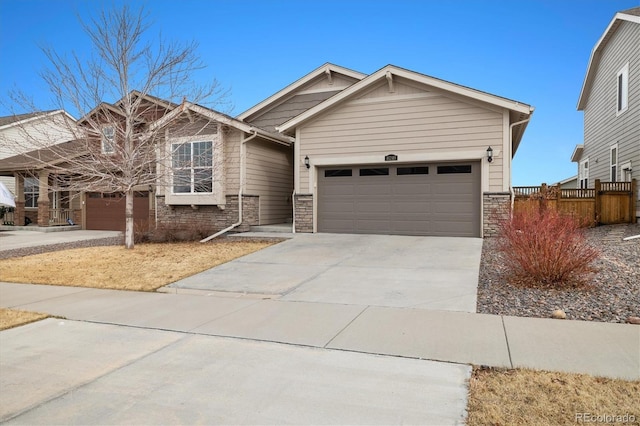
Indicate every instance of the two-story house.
{"type": "Point", "coordinates": [610, 100]}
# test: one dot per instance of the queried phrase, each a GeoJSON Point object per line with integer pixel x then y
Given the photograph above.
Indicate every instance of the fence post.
{"type": "Point", "coordinates": [632, 203]}
{"type": "Point", "coordinates": [598, 206]}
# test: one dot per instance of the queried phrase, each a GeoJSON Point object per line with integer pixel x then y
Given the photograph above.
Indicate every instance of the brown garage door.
{"type": "Point", "coordinates": [105, 211]}
{"type": "Point", "coordinates": [418, 199]}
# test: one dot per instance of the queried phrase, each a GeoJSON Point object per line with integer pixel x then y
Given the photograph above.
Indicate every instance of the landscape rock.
{"type": "Point", "coordinates": [613, 294]}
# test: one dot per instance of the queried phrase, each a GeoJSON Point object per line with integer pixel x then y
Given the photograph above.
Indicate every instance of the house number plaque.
{"type": "Point", "coordinates": [390, 157]}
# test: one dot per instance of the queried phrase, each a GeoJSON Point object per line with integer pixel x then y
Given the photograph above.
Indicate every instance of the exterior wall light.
{"type": "Point", "coordinates": [489, 154]}
{"type": "Point", "coordinates": [306, 162]}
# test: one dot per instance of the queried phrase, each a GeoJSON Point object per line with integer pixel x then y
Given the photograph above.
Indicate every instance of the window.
{"type": "Point", "coordinates": [337, 172]}
{"type": "Point", "coordinates": [31, 191]}
{"type": "Point", "coordinates": [622, 87]}
{"type": "Point", "coordinates": [613, 155]}
{"type": "Point", "coordinates": [108, 139]}
{"type": "Point", "coordinates": [625, 171]}
{"type": "Point", "coordinates": [382, 171]}
{"type": "Point", "coordinates": [445, 170]}
{"type": "Point", "coordinates": [583, 174]}
{"type": "Point", "coordinates": [412, 171]}
{"type": "Point", "coordinates": [192, 164]}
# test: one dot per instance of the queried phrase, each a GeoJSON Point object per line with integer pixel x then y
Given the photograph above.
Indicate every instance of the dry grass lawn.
{"type": "Point", "coordinates": [145, 268]}
{"type": "Point", "coordinates": [10, 318]}
{"type": "Point", "coordinates": [526, 397]}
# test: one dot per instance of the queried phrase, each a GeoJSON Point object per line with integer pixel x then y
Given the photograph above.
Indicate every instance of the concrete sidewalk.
{"type": "Point", "coordinates": [599, 349]}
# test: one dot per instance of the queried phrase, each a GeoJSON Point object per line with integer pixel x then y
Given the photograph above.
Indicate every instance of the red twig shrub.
{"type": "Point", "coordinates": [543, 247]}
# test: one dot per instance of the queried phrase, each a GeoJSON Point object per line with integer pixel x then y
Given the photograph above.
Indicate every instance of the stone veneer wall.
{"type": "Point", "coordinates": [304, 212]}
{"type": "Point", "coordinates": [212, 217]}
{"type": "Point", "coordinates": [496, 206]}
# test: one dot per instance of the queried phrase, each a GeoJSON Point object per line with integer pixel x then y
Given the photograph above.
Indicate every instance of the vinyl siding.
{"type": "Point", "coordinates": [289, 109]}
{"type": "Point", "coordinates": [33, 135]}
{"type": "Point", "coordinates": [300, 100]}
{"type": "Point", "coordinates": [602, 128]}
{"type": "Point", "coordinates": [407, 121]}
{"type": "Point", "coordinates": [269, 173]}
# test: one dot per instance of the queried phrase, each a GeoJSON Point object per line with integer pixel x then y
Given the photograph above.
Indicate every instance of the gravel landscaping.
{"type": "Point", "coordinates": [613, 294]}
{"type": "Point", "coordinates": [28, 251]}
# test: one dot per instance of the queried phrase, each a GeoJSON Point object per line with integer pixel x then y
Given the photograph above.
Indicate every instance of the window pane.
{"type": "Point", "coordinates": [374, 172]}
{"type": "Point", "coordinates": [31, 185]}
{"type": "Point", "coordinates": [444, 170]}
{"type": "Point", "coordinates": [182, 155]}
{"type": "Point", "coordinates": [337, 172]}
{"type": "Point", "coordinates": [614, 156]}
{"type": "Point", "coordinates": [203, 180]}
{"type": "Point", "coordinates": [30, 200]}
{"type": "Point", "coordinates": [181, 181]}
{"type": "Point", "coordinates": [202, 154]}
{"type": "Point", "coordinates": [412, 171]}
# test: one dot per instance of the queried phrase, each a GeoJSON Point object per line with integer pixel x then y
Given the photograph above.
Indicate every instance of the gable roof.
{"type": "Point", "coordinates": [14, 120]}
{"type": "Point", "coordinates": [519, 110]}
{"type": "Point", "coordinates": [630, 15]}
{"type": "Point", "coordinates": [188, 107]}
{"type": "Point", "coordinates": [274, 99]}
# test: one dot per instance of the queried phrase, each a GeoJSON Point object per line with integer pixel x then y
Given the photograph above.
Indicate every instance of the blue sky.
{"type": "Point", "coordinates": [533, 51]}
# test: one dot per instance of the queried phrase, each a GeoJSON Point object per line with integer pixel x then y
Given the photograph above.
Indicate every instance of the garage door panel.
{"type": "Point", "coordinates": [107, 211]}
{"type": "Point", "coordinates": [418, 200]}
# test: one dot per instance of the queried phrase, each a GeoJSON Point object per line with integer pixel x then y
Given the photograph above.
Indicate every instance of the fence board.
{"type": "Point", "coordinates": [607, 203]}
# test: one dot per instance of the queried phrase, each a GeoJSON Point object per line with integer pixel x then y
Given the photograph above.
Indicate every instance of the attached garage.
{"type": "Point", "coordinates": [439, 199]}
{"type": "Point", "coordinates": [105, 211]}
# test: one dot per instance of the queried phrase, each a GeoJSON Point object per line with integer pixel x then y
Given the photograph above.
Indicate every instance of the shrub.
{"type": "Point", "coordinates": [170, 233]}
{"type": "Point", "coordinates": [541, 246]}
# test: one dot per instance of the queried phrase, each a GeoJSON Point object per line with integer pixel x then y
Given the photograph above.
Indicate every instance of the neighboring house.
{"type": "Point", "coordinates": [220, 160]}
{"type": "Point", "coordinates": [394, 152]}
{"type": "Point", "coordinates": [24, 132]}
{"type": "Point", "coordinates": [568, 183]}
{"type": "Point", "coordinates": [610, 100]}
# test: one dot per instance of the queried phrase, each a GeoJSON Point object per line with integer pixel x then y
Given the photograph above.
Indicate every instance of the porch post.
{"type": "Point", "coordinates": [43, 199]}
{"type": "Point", "coordinates": [18, 215]}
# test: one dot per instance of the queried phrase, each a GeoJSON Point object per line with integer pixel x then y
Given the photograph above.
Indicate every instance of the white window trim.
{"type": "Point", "coordinates": [198, 198]}
{"type": "Point", "coordinates": [583, 174]}
{"type": "Point", "coordinates": [108, 147]}
{"type": "Point", "coordinates": [613, 164]}
{"type": "Point", "coordinates": [35, 193]}
{"type": "Point", "coordinates": [192, 169]}
{"type": "Point", "coordinates": [622, 93]}
{"type": "Point", "coordinates": [625, 172]}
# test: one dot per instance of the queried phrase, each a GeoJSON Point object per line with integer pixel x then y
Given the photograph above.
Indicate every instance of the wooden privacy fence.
{"type": "Point", "coordinates": [607, 203]}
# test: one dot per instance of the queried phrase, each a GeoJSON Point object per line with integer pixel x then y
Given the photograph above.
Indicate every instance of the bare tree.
{"type": "Point", "coordinates": [116, 146]}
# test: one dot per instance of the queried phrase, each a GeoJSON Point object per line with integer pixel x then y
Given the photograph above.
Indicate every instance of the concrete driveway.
{"type": "Point", "coordinates": [437, 273]}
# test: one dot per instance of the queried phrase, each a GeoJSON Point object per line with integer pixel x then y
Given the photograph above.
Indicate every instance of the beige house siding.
{"type": "Point", "coordinates": [407, 122]}
{"type": "Point", "coordinates": [602, 127]}
{"type": "Point", "coordinates": [301, 99]}
{"type": "Point", "coordinates": [269, 175]}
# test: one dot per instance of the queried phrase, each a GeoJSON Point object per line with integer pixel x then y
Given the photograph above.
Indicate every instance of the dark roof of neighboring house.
{"type": "Point", "coordinates": [10, 119]}
{"type": "Point", "coordinates": [633, 11]}
{"type": "Point", "coordinates": [40, 158]}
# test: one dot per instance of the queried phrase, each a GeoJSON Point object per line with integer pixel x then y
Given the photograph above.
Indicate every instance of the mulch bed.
{"type": "Point", "coordinates": [613, 294]}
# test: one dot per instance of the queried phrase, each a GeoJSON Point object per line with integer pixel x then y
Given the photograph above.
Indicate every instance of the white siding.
{"type": "Point", "coordinates": [32, 135]}
{"type": "Point", "coordinates": [406, 121]}
{"type": "Point", "coordinates": [269, 172]}
{"type": "Point", "coordinates": [602, 127]}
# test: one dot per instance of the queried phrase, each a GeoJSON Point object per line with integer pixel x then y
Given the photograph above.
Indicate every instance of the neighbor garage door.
{"type": "Point", "coordinates": [417, 199]}
{"type": "Point", "coordinates": [106, 211]}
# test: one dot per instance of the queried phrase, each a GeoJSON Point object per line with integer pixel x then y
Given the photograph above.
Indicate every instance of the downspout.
{"type": "Point", "coordinates": [511, 126]}
{"type": "Point", "coordinates": [235, 225]}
